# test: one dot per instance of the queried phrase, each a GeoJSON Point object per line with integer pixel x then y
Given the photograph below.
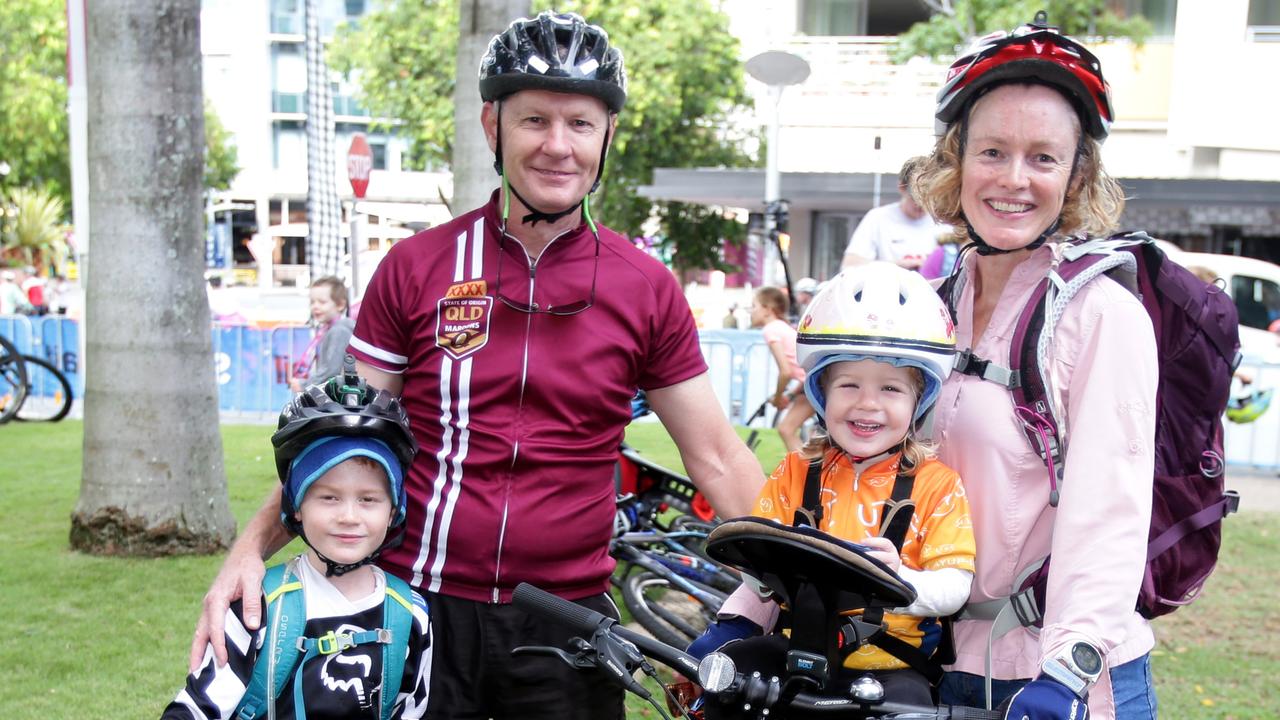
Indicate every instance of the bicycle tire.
{"type": "Point", "coordinates": [666, 612]}
{"type": "Point", "coordinates": [48, 396]}
{"type": "Point", "coordinates": [13, 380]}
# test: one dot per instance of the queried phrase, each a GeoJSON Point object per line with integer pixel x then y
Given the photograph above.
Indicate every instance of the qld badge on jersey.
{"type": "Point", "coordinates": [462, 318]}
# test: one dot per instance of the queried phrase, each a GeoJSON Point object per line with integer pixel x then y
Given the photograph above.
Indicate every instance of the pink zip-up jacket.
{"type": "Point", "coordinates": [1103, 369]}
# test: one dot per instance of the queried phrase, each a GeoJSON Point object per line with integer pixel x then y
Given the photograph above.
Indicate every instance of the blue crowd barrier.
{"type": "Point", "coordinates": [52, 337]}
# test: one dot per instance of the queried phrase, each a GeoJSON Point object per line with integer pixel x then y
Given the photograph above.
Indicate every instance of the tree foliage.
{"type": "Point", "coordinates": [684, 80]}
{"type": "Point", "coordinates": [33, 231]}
{"type": "Point", "coordinates": [221, 158]}
{"type": "Point", "coordinates": [33, 95]}
{"type": "Point", "coordinates": [956, 22]}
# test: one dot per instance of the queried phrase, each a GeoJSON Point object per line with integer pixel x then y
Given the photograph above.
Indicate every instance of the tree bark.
{"type": "Point", "coordinates": [473, 175]}
{"type": "Point", "coordinates": [152, 480]}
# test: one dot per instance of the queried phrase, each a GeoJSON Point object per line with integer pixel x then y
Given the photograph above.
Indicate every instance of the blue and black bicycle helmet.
{"type": "Point", "coordinates": [335, 421]}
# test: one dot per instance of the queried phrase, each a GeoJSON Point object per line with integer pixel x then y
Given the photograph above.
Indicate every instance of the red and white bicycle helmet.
{"type": "Point", "coordinates": [877, 311]}
{"type": "Point", "coordinates": [1034, 52]}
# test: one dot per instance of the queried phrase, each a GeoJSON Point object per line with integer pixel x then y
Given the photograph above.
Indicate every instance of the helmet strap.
{"type": "Point", "coordinates": [334, 569]}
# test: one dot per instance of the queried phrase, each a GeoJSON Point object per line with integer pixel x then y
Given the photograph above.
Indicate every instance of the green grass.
{"type": "Point", "coordinates": [107, 638]}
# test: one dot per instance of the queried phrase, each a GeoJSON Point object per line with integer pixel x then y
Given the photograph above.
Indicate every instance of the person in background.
{"type": "Point", "coordinates": [942, 260]}
{"type": "Point", "coordinates": [806, 288]}
{"type": "Point", "coordinates": [768, 312]}
{"type": "Point", "coordinates": [12, 299]}
{"type": "Point", "coordinates": [323, 357]}
{"type": "Point", "coordinates": [901, 233]}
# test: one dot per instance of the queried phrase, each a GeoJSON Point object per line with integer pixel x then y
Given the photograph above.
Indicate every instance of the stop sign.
{"type": "Point", "coordinates": [359, 165]}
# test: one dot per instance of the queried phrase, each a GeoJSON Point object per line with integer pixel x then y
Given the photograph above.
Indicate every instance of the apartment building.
{"type": "Point", "coordinates": [1194, 142]}
{"type": "Point", "coordinates": [255, 77]}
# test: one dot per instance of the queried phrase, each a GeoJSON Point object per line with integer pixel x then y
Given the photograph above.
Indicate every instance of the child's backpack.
{"type": "Point", "coordinates": [1198, 345]}
{"type": "Point", "coordinates": [285, 649]}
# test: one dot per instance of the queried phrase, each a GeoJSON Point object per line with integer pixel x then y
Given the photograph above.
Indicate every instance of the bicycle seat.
{"type": "Point", "coordinates": [785, 558]}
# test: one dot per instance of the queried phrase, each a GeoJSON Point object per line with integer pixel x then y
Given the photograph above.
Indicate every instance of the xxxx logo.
{"type": "Point", "coordinates": [462, 318]}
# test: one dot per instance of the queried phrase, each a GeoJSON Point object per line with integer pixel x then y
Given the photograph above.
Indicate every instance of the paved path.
{"type": "Point", "coordinates": [1259, 489]}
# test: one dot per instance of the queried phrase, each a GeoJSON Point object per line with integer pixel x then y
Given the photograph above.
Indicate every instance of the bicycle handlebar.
{"type": "Point", "coordinates": [593, 624]}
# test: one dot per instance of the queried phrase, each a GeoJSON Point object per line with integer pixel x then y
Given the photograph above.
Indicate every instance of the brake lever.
{"type": "Point", "coordinates": [583, 659]}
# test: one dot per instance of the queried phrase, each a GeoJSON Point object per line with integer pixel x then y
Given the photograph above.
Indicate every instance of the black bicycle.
{"type": "Point", "coordinates": [13, 380]}
{"type": "Point", "coordinates": [803, 568]}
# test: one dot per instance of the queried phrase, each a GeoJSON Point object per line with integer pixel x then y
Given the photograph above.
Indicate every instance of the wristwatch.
{"type": "Point", "coordinates": [1077, 667]}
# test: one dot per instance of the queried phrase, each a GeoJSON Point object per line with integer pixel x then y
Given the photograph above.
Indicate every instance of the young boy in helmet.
{"type": "Point", "coordinates": [361, 649]}
{"type": "Point", "coordinates": [876, 344]}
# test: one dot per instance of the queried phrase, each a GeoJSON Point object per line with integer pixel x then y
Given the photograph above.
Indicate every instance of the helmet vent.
{"type": "Point", "coordinates": [902, 299]}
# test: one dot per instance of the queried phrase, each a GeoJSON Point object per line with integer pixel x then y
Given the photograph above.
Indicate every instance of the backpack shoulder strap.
{"type": "Point", "coordinates": [397, 617]}
{"type": "Point", "coordinates": [286, 619]}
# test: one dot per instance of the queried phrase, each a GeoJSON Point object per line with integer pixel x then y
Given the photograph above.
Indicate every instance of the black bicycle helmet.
{"type": "Point", "coordinates": [346, 406]}
{"type": "Point", "coordinates": [559, 52]}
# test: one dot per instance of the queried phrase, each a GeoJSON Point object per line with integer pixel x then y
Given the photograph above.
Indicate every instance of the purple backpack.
{"type": "Point", "coordinates": [1198, 345]}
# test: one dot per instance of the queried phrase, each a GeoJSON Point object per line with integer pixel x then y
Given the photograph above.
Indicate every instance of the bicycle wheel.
{"type": "Point", "coordinates": [666, 612]}
{"type": "Point", "coordinates": [48, 392]}
{"type": "Point", "coordinates": [13, 380]}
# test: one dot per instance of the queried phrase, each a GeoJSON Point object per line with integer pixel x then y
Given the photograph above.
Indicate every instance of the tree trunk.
{"type": "Point", "coordinates": [473, 175]}
{"type": "Point", "coordinates": [152, 480]}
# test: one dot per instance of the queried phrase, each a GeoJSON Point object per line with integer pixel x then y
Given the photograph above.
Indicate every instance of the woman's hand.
{"type": "Point", "coordinates": [884, 551]}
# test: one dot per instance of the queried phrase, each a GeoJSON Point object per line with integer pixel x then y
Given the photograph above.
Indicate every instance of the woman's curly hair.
{"type": "Point", "coordinates": [1092, 206]}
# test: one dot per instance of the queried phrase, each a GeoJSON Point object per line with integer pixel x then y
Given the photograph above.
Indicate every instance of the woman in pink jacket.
{"type": "Point", "coordinates": [1017, 170]}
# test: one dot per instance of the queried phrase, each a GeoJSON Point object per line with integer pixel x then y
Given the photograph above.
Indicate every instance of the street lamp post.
{"type": "Point", "coordinates": [777, 70]}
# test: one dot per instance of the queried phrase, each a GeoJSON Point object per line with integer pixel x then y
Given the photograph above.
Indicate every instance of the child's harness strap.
{"type": "Point", "coordinates": [895, 523]}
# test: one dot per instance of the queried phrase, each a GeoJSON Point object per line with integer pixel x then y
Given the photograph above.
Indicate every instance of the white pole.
{"type": "Point", "coordinates": [357, 223]}
{"type": "Point", "coordinates": [772, 182]}
{"type": "Point", "coordinates": [78, 127]}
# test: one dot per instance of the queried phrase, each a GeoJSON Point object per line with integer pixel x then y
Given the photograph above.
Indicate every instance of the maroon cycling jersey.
{"type": "Point", "coordinates": [518, 416]}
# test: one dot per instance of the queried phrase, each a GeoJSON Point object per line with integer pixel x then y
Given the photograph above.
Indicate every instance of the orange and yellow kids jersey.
{"type": "Point", "coordinates": [940, 534]}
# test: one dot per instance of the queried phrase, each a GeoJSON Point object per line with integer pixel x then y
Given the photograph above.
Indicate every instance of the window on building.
{"type": "Point", "coordinates": [355, 8]}
{"type": "Point", "coordinates": [289, 145]}
{"type": "Point", "coordinates": [831, 233]}
{"type": "Point", "coordinates": [379, 150]}
{"type": "Point", "coordinates": [1160, 13]}
{"type": "Point", "coordinates": [832, 17]}
{"type": "Point", "coordinates": [1264, 20]}
{"type": "Point", "coordinates": [1257, 301]}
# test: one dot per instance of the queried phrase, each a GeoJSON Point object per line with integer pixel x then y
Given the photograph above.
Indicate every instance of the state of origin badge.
{"type": "Point", "coordinates": [462, 318]}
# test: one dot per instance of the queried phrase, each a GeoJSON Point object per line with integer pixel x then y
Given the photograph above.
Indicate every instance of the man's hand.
{"type": "Point", "coordinates": [240, 577]}
{"type": "Point", "coordinates": [780, 400]}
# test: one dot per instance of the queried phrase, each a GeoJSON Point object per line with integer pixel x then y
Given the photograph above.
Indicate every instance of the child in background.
{"type": "Point", "coordinates": [323, 357]}
{"type": "Point", "coordinates": [877, 344]}
{"type": "Point", "coordinates": [768, 312]}
{"type": "Point", "coordinates": [341, 453]}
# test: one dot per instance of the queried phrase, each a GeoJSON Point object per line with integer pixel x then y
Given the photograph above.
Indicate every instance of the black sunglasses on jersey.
{"type": "Point", "coordinates": [564, 310]}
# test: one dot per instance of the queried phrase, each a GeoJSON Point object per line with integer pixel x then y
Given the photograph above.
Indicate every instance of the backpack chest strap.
{"type": "Point", "coordinates": [969, 364]}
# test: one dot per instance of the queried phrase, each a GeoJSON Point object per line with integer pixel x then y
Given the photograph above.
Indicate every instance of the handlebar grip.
{"type": "Point", "coordinates": [540, 602]}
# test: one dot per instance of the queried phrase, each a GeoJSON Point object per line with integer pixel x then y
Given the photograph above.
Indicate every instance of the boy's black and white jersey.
{"type": "Point", "coordinates": [341, 685]}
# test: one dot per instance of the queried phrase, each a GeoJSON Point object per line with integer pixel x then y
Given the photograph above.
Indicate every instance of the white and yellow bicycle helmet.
{"type": "Point", "coordinates": [877, 311]}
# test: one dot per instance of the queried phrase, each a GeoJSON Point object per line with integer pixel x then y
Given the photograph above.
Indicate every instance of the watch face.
{"type": "Point", "coordinates": [1086, 658]}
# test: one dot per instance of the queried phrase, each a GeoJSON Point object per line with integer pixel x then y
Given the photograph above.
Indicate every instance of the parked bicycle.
{"type": "Point", "coordinates": [13, 380]}
{"type": "Point", "coordinates": [668, 583]}
{"type": "Point", "coordinates": [48, 396]}
{"type": "Point", "coordinates": [31, 388]}
{"type": "Point", "coordinates": [797, 564]}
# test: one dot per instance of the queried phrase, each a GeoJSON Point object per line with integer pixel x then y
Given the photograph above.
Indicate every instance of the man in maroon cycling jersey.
{"type": "Point", "coordinates": [516, 335]}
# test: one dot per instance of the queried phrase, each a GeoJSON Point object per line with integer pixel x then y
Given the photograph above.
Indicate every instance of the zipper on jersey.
{"type": "Point", "coordinates": [524, 381]}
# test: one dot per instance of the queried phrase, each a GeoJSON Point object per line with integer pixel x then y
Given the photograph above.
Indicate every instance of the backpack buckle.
{"type": "Point", "coordinates": [329, 643]}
